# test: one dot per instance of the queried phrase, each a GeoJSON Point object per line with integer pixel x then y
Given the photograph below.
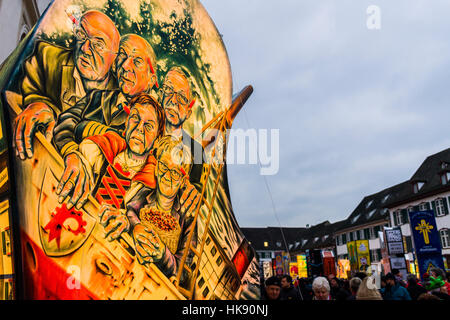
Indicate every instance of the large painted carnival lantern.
{"type": "Point", "coordinates": [114, 126]}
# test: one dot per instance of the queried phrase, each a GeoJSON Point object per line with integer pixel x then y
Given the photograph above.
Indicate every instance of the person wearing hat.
{"type": "Point", "coordinates": [393, 290]}
{"type": "Point", "coordinates": [437, 287]}
{"type": "Point", "coordinates": [272, 289]}
{"type": "Point", "coordinates": [368, 290]}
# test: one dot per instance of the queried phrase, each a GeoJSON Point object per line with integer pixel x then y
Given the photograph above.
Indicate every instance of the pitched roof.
{"type": "Point", "coordinates": [429, 173]}
{"type": "Point", "coordinates": [373, 207]}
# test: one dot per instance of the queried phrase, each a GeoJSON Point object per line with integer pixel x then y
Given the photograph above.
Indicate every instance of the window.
{"type": "Point", "coordinates": [398, 218]}
{"type": "Point", "coordinates": [361, 234]}
{"type": "Point", "coordinates": [371, 213]}
{"type": "Point", "coordinates": [325, 237]}
{"type": "Point", "coordinates": [445, 238]}
{"type": "Point", "coordinates": [213, 251]}
{"type": "Point", "coordinates": [339, 240]}
{"type": "Point", "coordinates": [266, 244]}
{"type": "Point", "coordinates": [371, 233]}
{"type": "Point", "coordinates": [368, 204]}
{"type": "Point", "coordinates": [418, 186]}
{"type": "Point", "coordinates": [423, 206]}
{"type": "Point", "coordinates": [444, 180]}
{"type": "Point", "coordinates": [386, 197]}
{"type": "Point", "coordinates": [375, 257]}
{"type": "Point", "coordinates": [278, 243]}
{"type": "Point", "coordinates": [304, 241]}
{"type": "Point", "coordinates": [316, 239]}
{"type": "Point", "coordinates": [410, 209]}
{"type": "Point", "coordinates": [355, 235]}
{"type": "Point", "coordinates": [355, 218]}
{"type": "Point", "coordinates": [440, 210]}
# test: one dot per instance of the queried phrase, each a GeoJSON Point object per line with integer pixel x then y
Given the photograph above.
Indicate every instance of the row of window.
{"type": "Point", "coordinates": [362, 234]}
{"type": "Point", "coordinates": [439, 206]}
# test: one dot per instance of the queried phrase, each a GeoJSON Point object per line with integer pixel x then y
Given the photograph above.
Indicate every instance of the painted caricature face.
{"type": "Point", "coordinates": [142, 129]}
{"type": "Point", "coordinates": [97, 42]}
{"type": "Point", "coordinates": [134, 66]}
{"type": "Point", "coordinates": [176, 98]}
{"type": "Point", "coordinates": [169, 175]}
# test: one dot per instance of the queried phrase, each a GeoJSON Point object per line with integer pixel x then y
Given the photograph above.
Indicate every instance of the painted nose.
{"type": "Point", "coordinates": [86, 48]}
{"type": "Point", "coordinates": [127, 64]}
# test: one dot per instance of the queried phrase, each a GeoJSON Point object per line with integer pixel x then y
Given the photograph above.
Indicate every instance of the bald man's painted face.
{"type": "Point", "coordinates": [176, 98]}
{"type": "Point", "coordinates": [133, 67]}
{"type": "Point", "coordinates": [97, 42]}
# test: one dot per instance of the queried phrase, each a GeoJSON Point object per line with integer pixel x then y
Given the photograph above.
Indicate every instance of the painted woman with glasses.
{"type": "Point", "coordinates": [161, 234]}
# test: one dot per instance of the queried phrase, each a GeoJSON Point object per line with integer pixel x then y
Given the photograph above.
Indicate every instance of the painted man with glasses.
{"type": "Point", "coordinates": [102, 111]}
{"type": "Point", "coordinates": [56, 78]}
{"type": "Point", "coordinates": [177, 100]}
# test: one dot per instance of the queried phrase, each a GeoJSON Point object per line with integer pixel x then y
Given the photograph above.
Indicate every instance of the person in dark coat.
{"type": "Point", "coordinates": [337, 292]}
{"type": "Point", "coordinates": [272, 289]}
{"type": "Point", "coordinates": [414, 288]}
{"type": "Point", "coordinates": [393, 290]}
{"type": "Point", "coordinates": [288, 291]}
{"type": "Point", "coordinates": [355, 282]}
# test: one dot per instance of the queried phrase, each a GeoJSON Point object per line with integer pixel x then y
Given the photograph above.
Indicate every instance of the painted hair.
{"type": "Point", "coordinates": [145, 99]}
{"type": "Point", "coordinates": [180, 153]}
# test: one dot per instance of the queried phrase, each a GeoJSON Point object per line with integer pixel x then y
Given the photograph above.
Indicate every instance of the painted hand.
{"type": "Point", "coordinates": [76, 178]}
{"type": "Point", "coordinates": [149, 246]}
{"type": "Point", "coordinates": [190, 199]}
{"type": "Point", "coordinates": [114, 222]}
{"type": "Point", "coordinates": [36, 116]}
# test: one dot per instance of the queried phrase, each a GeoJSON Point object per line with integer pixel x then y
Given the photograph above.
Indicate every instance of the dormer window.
{"type": "Point", "coordinates": [316, 239]}
{"type": "Point", "coordinates": [325, 237]}
{"type": "Point", "coordinates": [355, 218]}
{"type": "Point", "coordinates": [386, 197]}
{"type": "Point", "coordinates": [418, 186]}
{"type": "Point", "coordinates": [304, 241]}
{"type": "Point", "coordinates": [278, 244]}
{"type": "Point", "coordinates": [444, 165]}
{"type": "Point", "coordinates": [371, 213]}
{"type": "Point", "coordinates": [369, 204]}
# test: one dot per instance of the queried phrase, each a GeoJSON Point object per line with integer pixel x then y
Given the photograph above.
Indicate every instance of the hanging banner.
{"type": "Point", "coordinates": [362, 249]}
{"type": "Point", "coordinates": [267, 269]}
{"type": "Point", "coordinates": [302, 266]}
{"type": "Point", "coordinates": [394, 240]}
{"type": "Point", "coordinates": [118, 113]}
{"type": "Point", "coordinates": [426, 240]}
{"type": "Point", "coordinates": [293, 270]}
{"type": "Point", "coordinates": [352, 255]}
{"type": "Point", "coordinates": [343, 268]}
{"type": "Point", "coordinates": [279, 270]}
{"type": "Point", "coordinates": [329, 263]}
{"type": "Point", "coordinates": [425, 233]}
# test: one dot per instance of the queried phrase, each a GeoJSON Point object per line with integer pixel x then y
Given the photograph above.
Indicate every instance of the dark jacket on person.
{"type": "Point", "coordinates": [396, 292]}
{"type": "Point", "coordinates": [415, 291]}
{"type": "Point", "coordinates": [339, 293]}
{"type": "Point", "coordinates": [290, 293]}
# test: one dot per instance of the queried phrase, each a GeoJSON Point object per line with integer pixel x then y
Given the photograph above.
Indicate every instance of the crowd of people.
{"type": "Point", "coordinates": [434, 286]}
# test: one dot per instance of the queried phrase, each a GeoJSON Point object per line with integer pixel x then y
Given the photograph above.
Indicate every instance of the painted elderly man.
{"type": "Point", "coordinates": [177, 100]}
{"type": "Point", "coordinates": [103, 111]}
{"type": "Point", "coordinates": [56, 78]}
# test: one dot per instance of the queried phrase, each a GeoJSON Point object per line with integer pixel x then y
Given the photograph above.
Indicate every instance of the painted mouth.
{"type": "Point", "coordinates": [85, 62]}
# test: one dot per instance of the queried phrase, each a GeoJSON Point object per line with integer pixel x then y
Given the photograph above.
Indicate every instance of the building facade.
{"type": "Point", "coordinates": [428, 189]}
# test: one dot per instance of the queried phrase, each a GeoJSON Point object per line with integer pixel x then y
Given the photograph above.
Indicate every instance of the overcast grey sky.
{"type": "Point", "coordinates": [358, 109]}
